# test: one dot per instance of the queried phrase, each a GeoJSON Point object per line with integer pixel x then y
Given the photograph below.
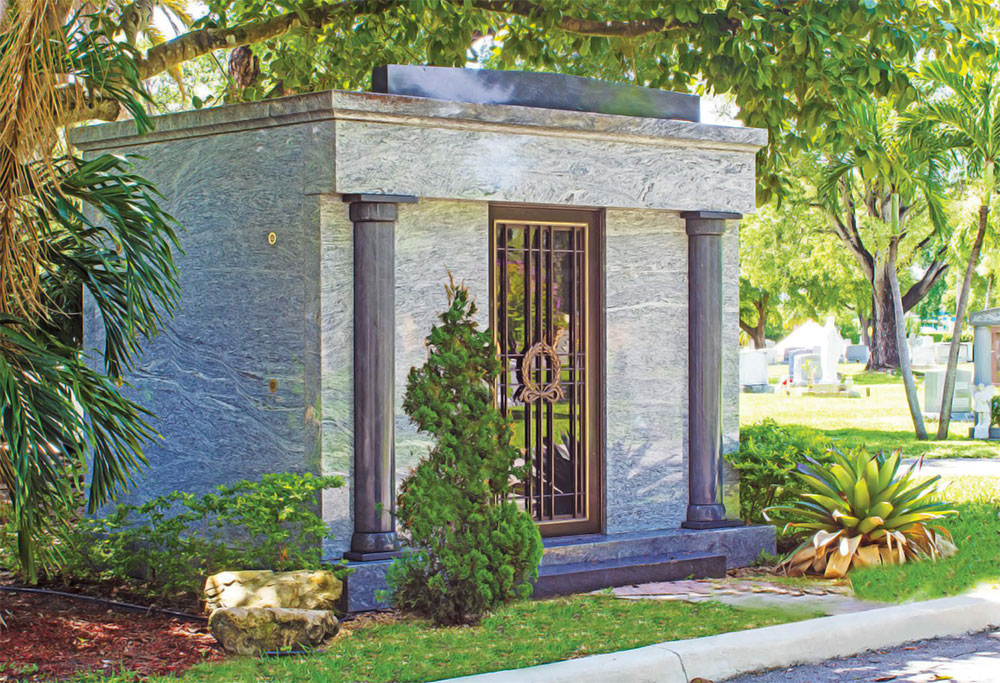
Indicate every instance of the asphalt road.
{"type": "Point", "coordinates": [966, 659]}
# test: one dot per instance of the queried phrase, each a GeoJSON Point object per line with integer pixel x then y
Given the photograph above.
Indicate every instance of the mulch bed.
{"type": "Point", "coordinates": [49, 638]}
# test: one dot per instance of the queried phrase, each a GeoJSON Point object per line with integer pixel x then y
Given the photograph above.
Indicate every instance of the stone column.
{"type": "Point", "coordinates": [374, 218]}
{"type": "Point", "coordinates": [705, 229]}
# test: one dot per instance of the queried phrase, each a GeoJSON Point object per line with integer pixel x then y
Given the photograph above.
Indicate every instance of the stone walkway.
{"type": "Point", "coordinates": [960, 467]}
{"type": "Point", "coordinates": [823, 597]}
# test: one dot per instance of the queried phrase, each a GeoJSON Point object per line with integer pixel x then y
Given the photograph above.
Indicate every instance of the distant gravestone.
{"type": "Point", "coordinates": [934, 391]}
{"type": "Point", "coordinates": [923, 357]}
{"type": "Point", "coordinates": [806, 369]}
{"type": "Point", "coordinates": [857, 353]}
{"type": "Point", "coordinates": [753, 371]}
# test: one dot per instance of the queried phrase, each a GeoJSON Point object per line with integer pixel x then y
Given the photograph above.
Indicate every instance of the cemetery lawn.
{"type": "Point", "coordinates": [387, 648]}
{"type": "Point", "coordinates": [976, 530]}
{"type": "Point", "coordinates": [880, 419]}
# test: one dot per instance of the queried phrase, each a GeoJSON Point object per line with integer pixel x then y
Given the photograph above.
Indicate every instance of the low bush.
{"type": "Point", "coordinates": [766, 461]}
{"type": "Point", "coordinates": [173, 542]}
{"type": "Point", "coordinates": [473, 548]}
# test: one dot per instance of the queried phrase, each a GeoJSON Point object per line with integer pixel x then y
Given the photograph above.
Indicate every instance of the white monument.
{"type": "Point", "coordinates": [831, 349]}
{"type": "Point", "coordinates": [982, 404]}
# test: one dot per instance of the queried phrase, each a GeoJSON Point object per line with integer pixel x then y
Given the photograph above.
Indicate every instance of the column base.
{"type": "Point", "coordinates": [363, 556]}
{"type": "Point", "coordinates": [368, 546]}
{"type": "Point", "coordinates": [718, 524]}
{"type": "Point", "coordinates": [701, 513]}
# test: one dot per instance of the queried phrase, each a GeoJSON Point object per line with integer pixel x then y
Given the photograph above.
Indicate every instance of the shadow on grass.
{"type": "Point", "coordinates": [888, 440]}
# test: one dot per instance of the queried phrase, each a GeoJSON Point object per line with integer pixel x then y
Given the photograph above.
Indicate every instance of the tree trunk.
{"type": "Point", "coordinates": [863, 323]}
{"type": "Point", "coordinates": [956, 334]}
{"type": "Point", "coordinates": [883, 346]}
{"type": "Point", "coordinates": [902, 350]}
{"type": "Point", "coordinates": [756, 332]}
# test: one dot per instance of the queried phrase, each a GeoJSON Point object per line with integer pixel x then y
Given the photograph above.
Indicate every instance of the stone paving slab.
{"type": "Point", "coordinates": [741, 592]}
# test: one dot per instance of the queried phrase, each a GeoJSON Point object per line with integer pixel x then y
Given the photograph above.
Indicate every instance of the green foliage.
{"type": "Point", "coordinates": [100, 230]}
{"type": "Point", "coordinates": [766, 462]}
{"type": "Point", "coordinates": [862, 511]}
{"type": "Point", "coordinates": [788, 67]}
{"type": "Point", "coordinates": [473, 549]}
{"type": "Point", "coordinates": [176, 540]}
{"type": "Point", "coordinates": [995, 412]}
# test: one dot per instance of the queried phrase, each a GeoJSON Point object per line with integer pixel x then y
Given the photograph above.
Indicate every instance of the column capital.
{"type": "Point", "coordinates": [707, 222]}
{"type": "Point", "coordinates": [375, 198]}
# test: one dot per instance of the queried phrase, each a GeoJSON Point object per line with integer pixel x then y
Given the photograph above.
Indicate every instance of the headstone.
{"type": "Point", "coordinates": [934, 390]}
{"type": "Point", "coordinates": [830, 352]}
{"type": "Point", "coordinates": [753, 370]}
{"type": "Point", "coordinates": [923, 357]}
{"type": "Point", "coordinates": [982, 405]}
{"type": "Point", "coordinates": [965, 352]}
{"type": "Point", "coordinates": [857, 353]}
{"type": "Point", "coordinates": [941, 350]}
{"type": "Point", "coordinates": [806, 369]}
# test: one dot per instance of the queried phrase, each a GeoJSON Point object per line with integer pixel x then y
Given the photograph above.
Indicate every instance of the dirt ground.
{"type": "Point", "coordinates": [48, 638]}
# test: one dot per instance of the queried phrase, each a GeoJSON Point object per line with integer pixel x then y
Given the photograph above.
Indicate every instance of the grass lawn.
{"type": "Point", "coordinates": [523, 634]}
{"type": "Point", "coordinates": [976, 531]}
{"type": "Point", "coordinates": [879, 419]}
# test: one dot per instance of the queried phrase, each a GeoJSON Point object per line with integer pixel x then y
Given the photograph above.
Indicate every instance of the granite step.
{"type": "Point", "coordinates": [582, 577]}
{"type": "Point", "coordinates": [740, 545]}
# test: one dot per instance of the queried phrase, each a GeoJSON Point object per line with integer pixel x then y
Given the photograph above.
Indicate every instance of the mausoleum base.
{"type": "Point", "coordinates": [593, 561]}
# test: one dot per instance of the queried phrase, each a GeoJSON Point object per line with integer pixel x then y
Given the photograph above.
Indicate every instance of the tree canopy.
{"type": "Point", "coordinates": [790, 68]}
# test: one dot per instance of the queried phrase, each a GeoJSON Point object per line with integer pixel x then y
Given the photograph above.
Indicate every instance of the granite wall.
{"type": "Point", "coordinates": [234, 379]}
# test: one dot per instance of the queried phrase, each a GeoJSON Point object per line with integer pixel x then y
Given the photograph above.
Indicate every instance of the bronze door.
{"type": "Point", "coordinates": [546, 313]}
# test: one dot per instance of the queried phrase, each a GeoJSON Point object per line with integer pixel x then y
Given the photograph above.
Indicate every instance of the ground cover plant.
{"type": "Point", "coordinates": [473, 548]}
{"type": "Point", "coordinates": [384, 648]}
{"type": "Point", "coordinates": [863, 510]}
{"type": "Point", "coordinates": [976, 530]}
{"type": "Point", "coordinates": [166, 547]}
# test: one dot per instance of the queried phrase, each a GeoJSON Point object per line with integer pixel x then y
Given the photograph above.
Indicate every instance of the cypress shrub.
{"type": "Point", "coordinates": [471, 548]}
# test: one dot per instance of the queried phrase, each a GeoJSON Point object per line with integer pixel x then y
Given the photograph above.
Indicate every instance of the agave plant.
{"type": "Point", "coordinates": [860, 512]}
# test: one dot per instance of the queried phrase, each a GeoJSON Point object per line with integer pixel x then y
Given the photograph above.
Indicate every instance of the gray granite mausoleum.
{"type": "Point", "coordinates": [319, 233]}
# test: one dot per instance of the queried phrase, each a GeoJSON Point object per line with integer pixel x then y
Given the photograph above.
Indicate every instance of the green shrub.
{"type": "Point", "coordinates": [766, 460]}
{"type": "Point", "coordinates": [176, 540]}
{"type": "Point", "coordinates": [995, 412]}
{"type": "Point", "coordinates": [472, 547]}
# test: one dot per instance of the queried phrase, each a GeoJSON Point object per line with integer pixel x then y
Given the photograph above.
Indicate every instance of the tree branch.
{"type": "Point", "coordinates": [196, 43]}
{"type": "Point", "coordinates": [919, 290]}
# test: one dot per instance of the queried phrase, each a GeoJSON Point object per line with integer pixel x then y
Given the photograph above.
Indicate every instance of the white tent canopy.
{"type": "Point", "coordinates": [808, 335]}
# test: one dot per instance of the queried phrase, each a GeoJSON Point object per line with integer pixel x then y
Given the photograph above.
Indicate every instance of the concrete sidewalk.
{"type": "Point", "coordinates": [960, 467]}
{"type": "Point", "coordinates": [721, 657]}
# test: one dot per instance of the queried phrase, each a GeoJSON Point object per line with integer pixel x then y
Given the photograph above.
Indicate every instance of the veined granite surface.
{"type": "Point", "coordinates": [233, 380]}
{"type": "Point", "coordinates": [646, 370]}
{"type": "Point", "coordinates": [362, 106]}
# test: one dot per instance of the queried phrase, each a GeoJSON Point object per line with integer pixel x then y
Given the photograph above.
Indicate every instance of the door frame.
{"type": "Point", "coordinates": [596, 418]}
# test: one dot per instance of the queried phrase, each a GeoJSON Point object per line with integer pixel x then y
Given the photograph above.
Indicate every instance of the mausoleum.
{"type": "Point", "coordinates": [593, 221]}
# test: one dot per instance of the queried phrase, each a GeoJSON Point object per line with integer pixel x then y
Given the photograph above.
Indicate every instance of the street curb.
{"type": "Point", "coordinates": [724, 656]}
